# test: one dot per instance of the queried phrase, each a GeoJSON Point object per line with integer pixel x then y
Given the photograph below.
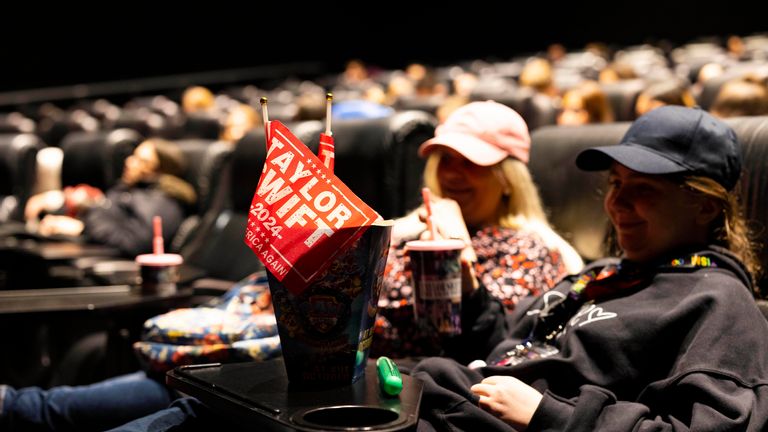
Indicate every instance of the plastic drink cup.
{"type": "Point", "coordinates": [159, 270]}
{"type": "Point", "coordinates": [436, 281]}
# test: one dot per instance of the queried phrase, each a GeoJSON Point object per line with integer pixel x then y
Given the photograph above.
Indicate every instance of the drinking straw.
{"type": "Point", "coordinates": [327, 148]}
{"type": "Point", "coordinates": [328, 103]}
{"type": "Point", "coordinates": [265, 115]}
{"type": "Point", "coordinates": [157, 241]}
{"type": "Point", "coordinates": [430, 223]}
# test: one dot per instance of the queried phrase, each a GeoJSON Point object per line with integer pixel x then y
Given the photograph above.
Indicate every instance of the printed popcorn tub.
{"type": "Point", "coordinates": [326, 330]}
{"type": "Point", "coordinates": [325, 251]}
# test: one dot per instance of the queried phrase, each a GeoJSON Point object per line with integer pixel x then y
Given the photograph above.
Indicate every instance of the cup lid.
{"type": "Point", "coordinates": [435, 245]}
{"type": "Point", "coordinates": [159, 260]}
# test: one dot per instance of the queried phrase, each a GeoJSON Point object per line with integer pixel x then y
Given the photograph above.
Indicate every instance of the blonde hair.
{"type": "Point", "coordinates": [520, 206]}
{"type": "Point", "coordinates": [730, 230]}
{"type": "Point", "coordinates": [594, 101]}
{"type": "Point", "coordinates": [197, 98]}
{"type": "Point", "coordinates": [537, 73]}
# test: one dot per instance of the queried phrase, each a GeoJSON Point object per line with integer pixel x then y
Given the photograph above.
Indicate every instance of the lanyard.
{"type": "Point", "coordinates": [593, 285]}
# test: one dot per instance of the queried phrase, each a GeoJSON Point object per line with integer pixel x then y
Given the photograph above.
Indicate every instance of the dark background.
{"type": "Point", "coordinates": [142, 41]}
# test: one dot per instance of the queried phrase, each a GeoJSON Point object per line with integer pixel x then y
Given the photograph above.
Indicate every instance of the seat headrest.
{"type": "Point", "coordinates": [753, 135]}
{"type": "Point", "coordinates": [96, 158]}
{"type": "Point", "coordinates": [18, 163]}
{"type": "Point", "coordinates": [622, 96]}
{"type": "Point", "coordinates": [205, 163]}
{"type": "Point", "coordinates": [572, 198]}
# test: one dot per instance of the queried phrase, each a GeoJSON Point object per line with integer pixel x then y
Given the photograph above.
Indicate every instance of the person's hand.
{"type": "Point", "coordinates": [449, 224]}
{"type": "Point", "coordinates": [45, 201]}
{"type": "Point", "coordinates": [509, 399]}
{"type": "Point", "coordinates": [81, 196]}
{"type": "Point", "coordinates": [408, 227]}
{"type": "Point", "coordinates": [61, 225]}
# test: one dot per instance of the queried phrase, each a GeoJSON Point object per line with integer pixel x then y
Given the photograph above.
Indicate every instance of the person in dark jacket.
{"type": "Point", "coordinates": [151, 185]}
{"type": "Point", "coordinates": [666, 338]}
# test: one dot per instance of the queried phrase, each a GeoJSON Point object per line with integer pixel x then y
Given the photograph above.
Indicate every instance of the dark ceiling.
{"type": "Point", "coordinates": [93, 50]}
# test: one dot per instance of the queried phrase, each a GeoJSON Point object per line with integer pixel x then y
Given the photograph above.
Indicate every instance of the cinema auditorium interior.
{"type": "Point", "coordinates": [133, 183]}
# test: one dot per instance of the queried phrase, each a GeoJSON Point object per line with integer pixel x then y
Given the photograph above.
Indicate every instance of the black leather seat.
{"type": "Point", "coordinates": [378, 159]}
{"type": "Point", "coordinates": [428, 104]}
{"type": "Point", "coordinates": [96, 158]}
{"type": "Point", "coordinates": [18, 164]}
{"type": "Point", "coordinates": [537, 109]}
{"type": "Point", "coordinates": [206, 160]}
{"type": "Point", "coordinates": [573, 198]}
{"type": "Point", "coordinates": [622, 96]}
{"type": "Point", "coordinates": [201, 125]}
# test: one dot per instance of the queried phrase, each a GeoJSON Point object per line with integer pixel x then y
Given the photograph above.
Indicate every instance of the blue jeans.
{"type": "Point", "coordinates": [94, 407]}
{"type": "Point", "coordinates": [184, 415]}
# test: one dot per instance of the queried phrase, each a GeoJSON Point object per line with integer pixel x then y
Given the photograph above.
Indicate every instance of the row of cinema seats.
{"type": "Point", "coordinates": [540, 110]}
{"type": "Point", "coordinates": [375, 158]}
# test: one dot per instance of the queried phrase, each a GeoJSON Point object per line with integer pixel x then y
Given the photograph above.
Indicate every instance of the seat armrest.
{"type": "Point", "coordinates": [211, 287]}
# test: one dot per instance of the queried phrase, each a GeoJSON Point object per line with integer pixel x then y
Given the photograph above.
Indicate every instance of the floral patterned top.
{"type": "Point", "coordinates": [512, 264]}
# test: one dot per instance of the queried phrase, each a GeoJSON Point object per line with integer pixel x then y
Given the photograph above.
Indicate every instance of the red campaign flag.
{"type": "Point", "coordinates": [325, 151]}
{"type": "Point", "coordinates": [302, 216]}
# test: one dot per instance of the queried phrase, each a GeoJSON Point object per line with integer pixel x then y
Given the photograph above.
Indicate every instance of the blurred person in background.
{"type": "Point", "coordinates": [197, 99]}
{"type": "Point", "coordinates": [617, 71]}
{"type": "Point", "coordinates": [746, 96]}
{"type": "Point", "coordinates": [537, 74]}
{"type": "Point", "coordinates": [240, 119]}
{"type": "Point", "coordinates": [668, 92]}
{"type": "Point", "coordinates": [151, 185]}
{"type": "Point", "coordinates": [586, 103]}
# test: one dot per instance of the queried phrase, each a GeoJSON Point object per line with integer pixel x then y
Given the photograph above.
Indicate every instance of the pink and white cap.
{"type": "Point", "coordinates": [483, 132]}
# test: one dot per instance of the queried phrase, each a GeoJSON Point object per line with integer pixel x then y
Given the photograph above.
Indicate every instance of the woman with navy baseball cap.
{"type": "Point", "coordinates": [666, 338]}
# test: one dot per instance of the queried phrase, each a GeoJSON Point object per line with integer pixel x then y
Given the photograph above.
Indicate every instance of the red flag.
{"type": "Point", "coordinates": [325, 151]}
{"type": "Point", "coordinates": [302, 216]}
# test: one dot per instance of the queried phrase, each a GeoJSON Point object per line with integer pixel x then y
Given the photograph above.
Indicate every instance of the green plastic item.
{"type": "Point", "coordinates": [390, 381]}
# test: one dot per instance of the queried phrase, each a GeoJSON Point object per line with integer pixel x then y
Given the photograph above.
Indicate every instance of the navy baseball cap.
{"type": "Point", "coordinates": [670, 140]}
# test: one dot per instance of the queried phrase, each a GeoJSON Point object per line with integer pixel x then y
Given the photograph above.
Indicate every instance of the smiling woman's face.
{"type": "Point", "coordinates": [652, 214]}
{"type": "Point", "coordinates": [475, 188]}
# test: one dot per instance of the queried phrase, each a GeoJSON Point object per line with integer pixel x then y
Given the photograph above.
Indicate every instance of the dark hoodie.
{"type": "Point", "coordinates": [686, 351]}
{"type": "Point", "coordinates": [124, 219]}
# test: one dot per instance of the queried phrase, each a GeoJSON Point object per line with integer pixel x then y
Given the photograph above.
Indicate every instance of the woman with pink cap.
{"type": "Point", "coordinates": [476, 170]}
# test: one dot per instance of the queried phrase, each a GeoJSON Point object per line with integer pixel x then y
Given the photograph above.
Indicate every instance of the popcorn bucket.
{"type": "Point", "coordinates": [326, 329]}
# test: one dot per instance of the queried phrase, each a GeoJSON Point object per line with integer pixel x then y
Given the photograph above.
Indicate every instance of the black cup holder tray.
{"type": "Point", "coordinates": [259, 394]}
